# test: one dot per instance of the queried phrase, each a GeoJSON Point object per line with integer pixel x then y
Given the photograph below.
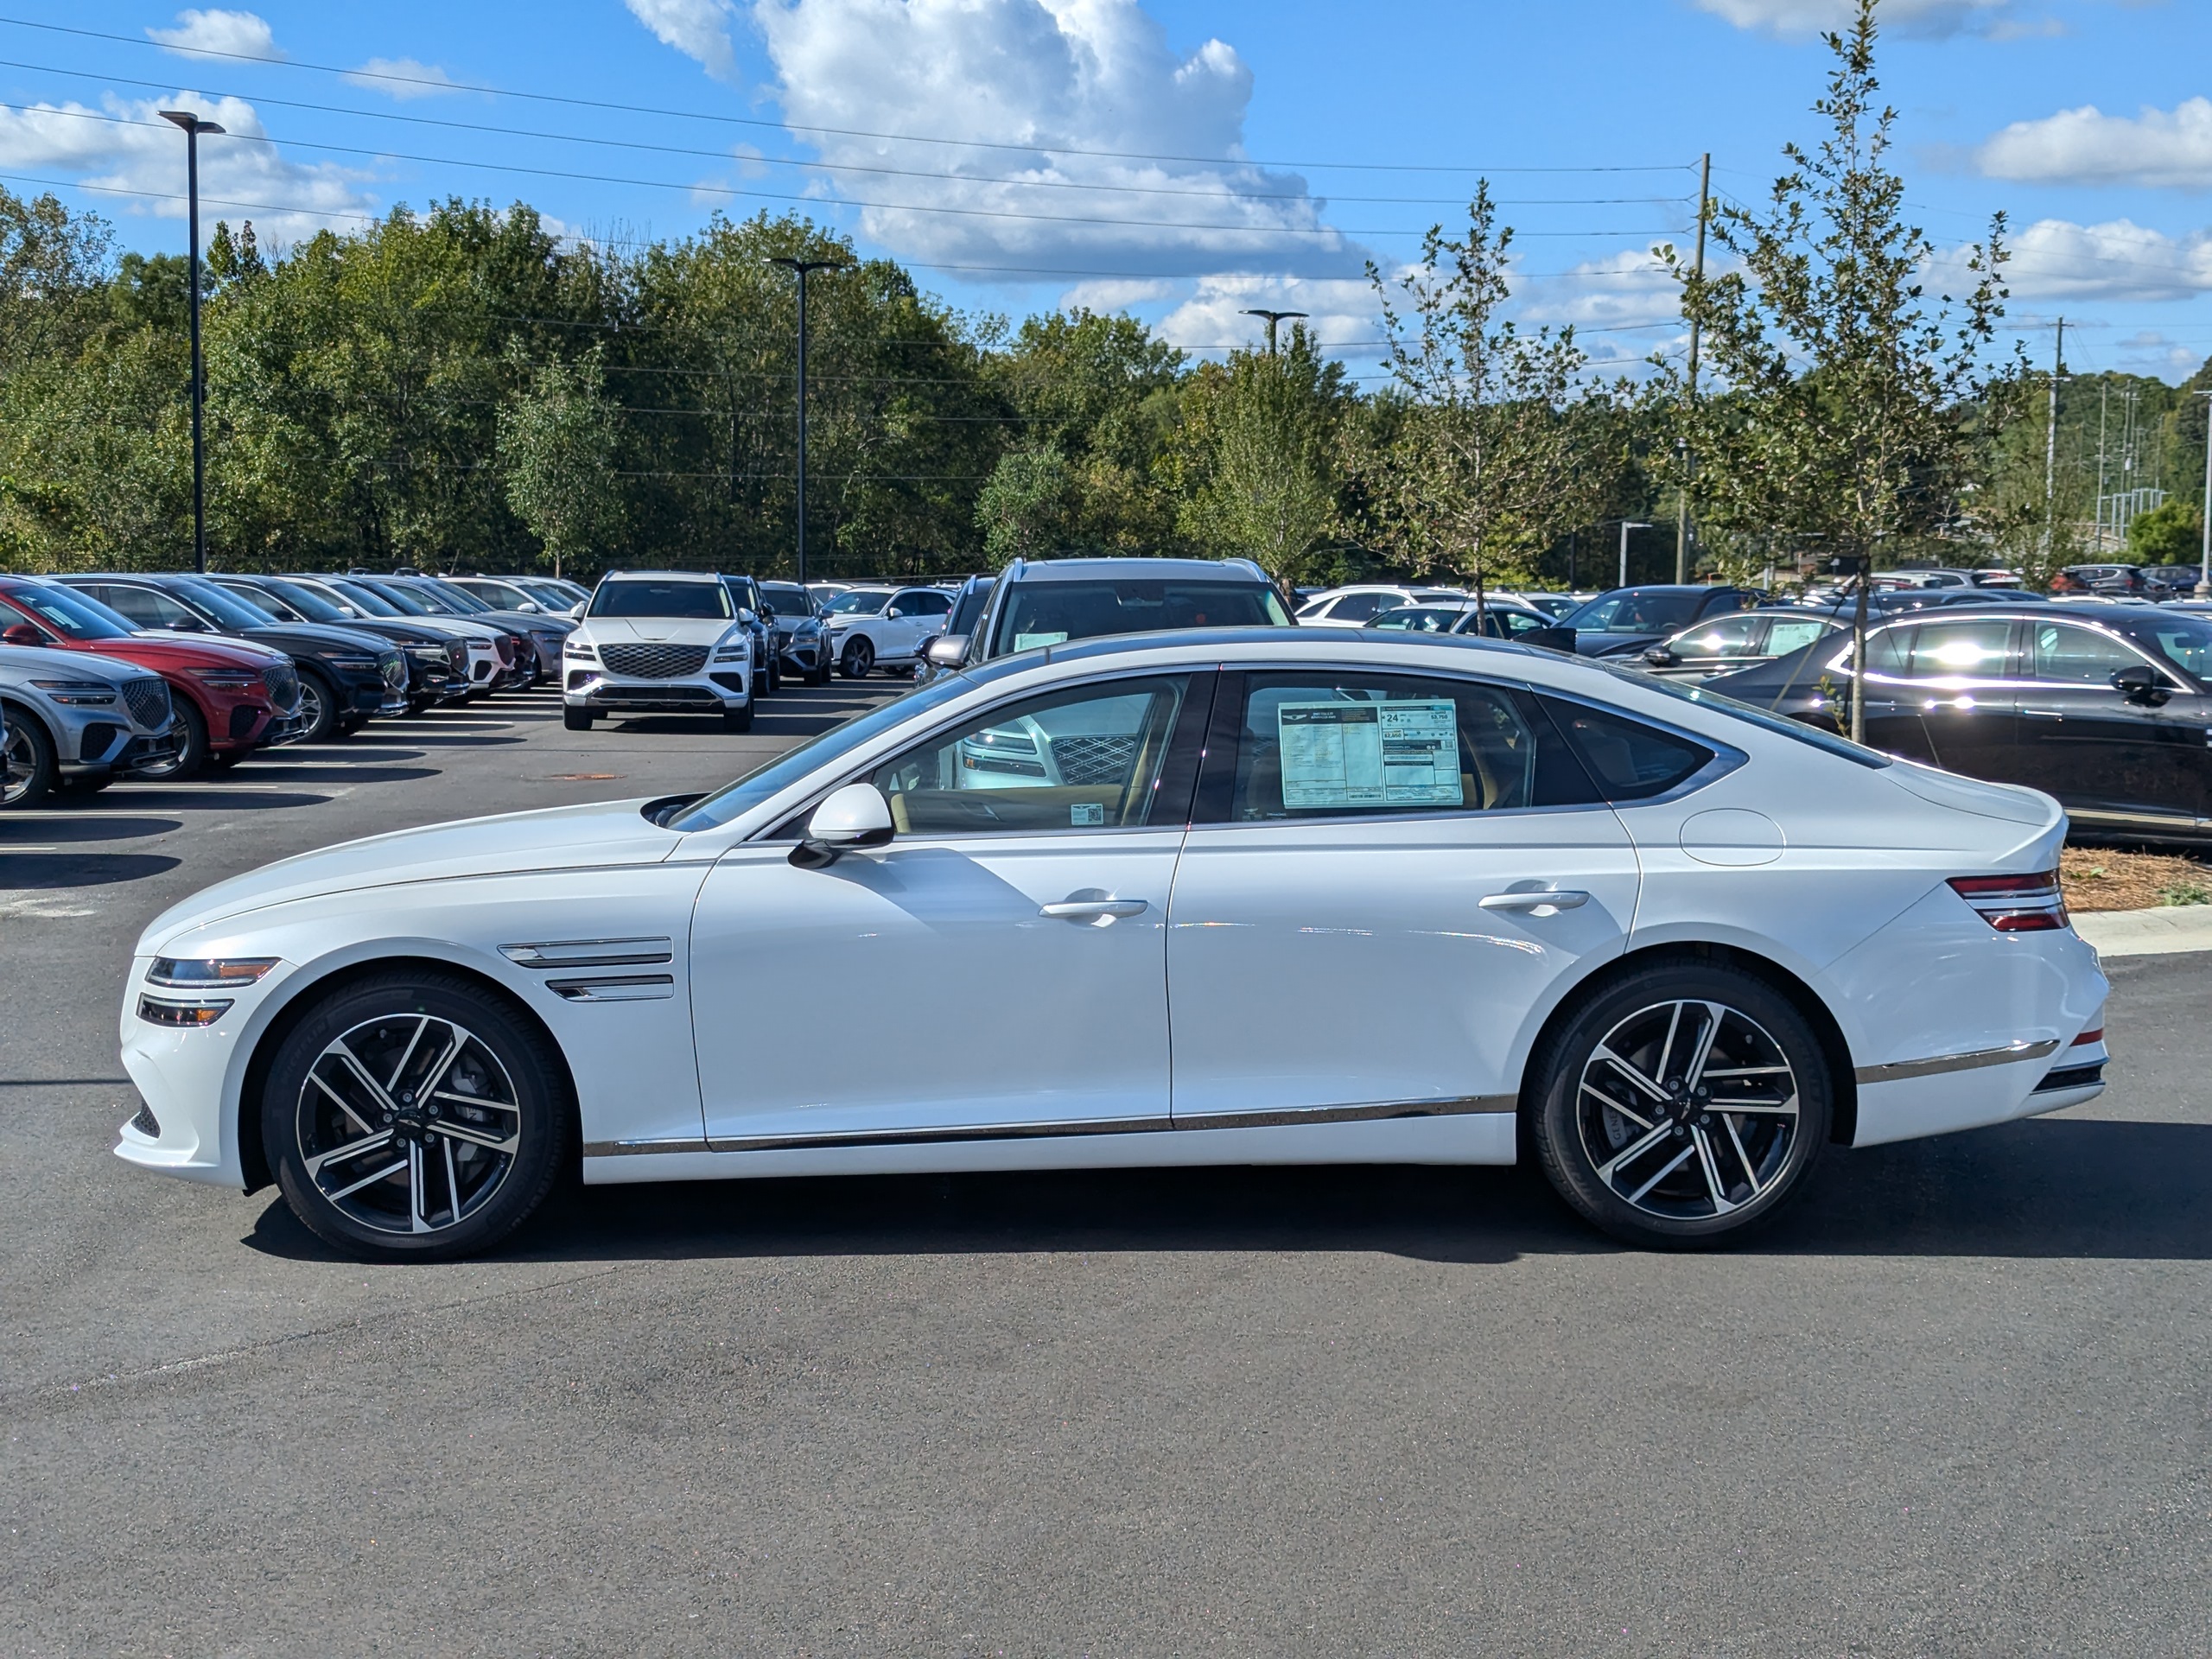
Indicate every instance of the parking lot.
{"type": "Point", "coordinates": [1956, 1402]}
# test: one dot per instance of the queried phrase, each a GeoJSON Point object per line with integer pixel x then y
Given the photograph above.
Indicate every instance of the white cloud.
{"type": "Point", "coordinates": [2086, 146]}
{"type": "Point", "coordinates": [1343, 313]}
{"type": "Point", "coordinates": [2149, 351]}
{"type": "Point", "coordinates": [2053, 259]}
{"type": "Point", "coordinates": [697, 29]}
{"type": "Point", "coordinates": [2001, 17]}
{"type": "Point", "coordinates": [1053, 76]}
{"type": "Point", "coordinates": [403, 79]}
{"type": "Point", "coordinates": [238, 32]}
{"type": "Point", "coordinates": [137, 152]}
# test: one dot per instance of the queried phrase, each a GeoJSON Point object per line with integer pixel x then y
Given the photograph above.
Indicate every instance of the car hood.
{"type": "Point", "coordinates": [21, 662]}
{"type": "Point", "coordinates": [296, 638]}
{"type": "Point", "coordinates": [172, 653]}
{"type": "Point", "coordinates": [527, 622]}
{"type": "Point", "coordinates": [1614, 645]}
{"type": "Point", "coordinates": [561, 838]}
{"type": "Point", "coordinates": [658, 630]}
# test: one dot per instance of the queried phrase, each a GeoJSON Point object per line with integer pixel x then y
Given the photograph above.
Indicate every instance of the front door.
{"type": "Point", "coordinates": [2114, 764]}
{"type": "Point", "coordinates": [1361, 922]}
{"type": "Point", "coordinates": [1000, 968]}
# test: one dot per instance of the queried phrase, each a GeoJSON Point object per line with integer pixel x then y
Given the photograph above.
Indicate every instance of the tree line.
{"type": "Point", "coordinates": [461, 388]}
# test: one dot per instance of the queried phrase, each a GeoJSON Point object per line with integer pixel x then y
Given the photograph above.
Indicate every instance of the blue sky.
{"type": "Point", "coordinates": [1183, 159]}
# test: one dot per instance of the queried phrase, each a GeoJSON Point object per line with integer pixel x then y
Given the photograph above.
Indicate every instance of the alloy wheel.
{"type": "Point", "coordinates": [1687, 1109]}
{"type": "Point", "coordinates": [409, 1123]}
{"type": "Point", "coordinates": [21, 773]}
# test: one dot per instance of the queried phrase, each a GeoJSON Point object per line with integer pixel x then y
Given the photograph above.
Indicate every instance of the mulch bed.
{"type": "Point", "coordinates": [2101, 878]}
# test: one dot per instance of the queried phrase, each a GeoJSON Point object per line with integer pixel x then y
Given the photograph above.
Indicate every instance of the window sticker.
{"type": "Point", "coordinates": [1370, 754]}
{"type": "Point", "coordinates": [1031, 641]}
{"type": "Point", "coordinates": [1087, 814]}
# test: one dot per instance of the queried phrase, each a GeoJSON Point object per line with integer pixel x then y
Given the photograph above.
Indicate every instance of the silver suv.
{"type": "Point", "coordinates": [1047, 601]}
{"type": "Point", "coordinates": [78, 721]}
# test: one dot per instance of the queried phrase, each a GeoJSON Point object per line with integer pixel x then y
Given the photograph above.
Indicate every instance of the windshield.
{"type": "Point", "coordinates": [457, 600]}
{"type": "Point", "coordinates": [1781, 725]}
{"type": "Point", "coordinates": [786, 599]}
{"type": "Point", "coordinates": [65, 610]}
{"type": "Point", "coordinates": [285, 610]}
{"type": "Point", "coordinates": [734, 799]}
{"type": "Point", "coordinates": [546, 594]}
{"type": "Point", "coordinates": [229, 608]}
{"type": "Point", "coordinates": [1631, 612]}
{"type": "Point", "coordinates": [646, 596]}
{"type": "Point", "coordinates": [365, 598]}
{"type": "Point", "coordinates": [859, 602]}
{"type": "Point", "coordinates": [1048, 613]}
{"type": "Point", "coordinates": [399, 598]}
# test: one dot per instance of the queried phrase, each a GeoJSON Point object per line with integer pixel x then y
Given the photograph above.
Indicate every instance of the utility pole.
{"type": "Point", "coordinates": [2204, 575]}
{"type": "Point", "coordinates": [803, 266]}
{"type": "Point", "coordinates": [193, 127]}
{"type": "Point", "coordinates": [1273, 318]}
{"type": "Point", "coordinates": [1689, 460]}
{"type": "Point", "coordinates": [2104, 399]}
{"type": "Point", "coordinates": [2051, 448]}
{"type": "Point", "coordinates": [1627, 524]}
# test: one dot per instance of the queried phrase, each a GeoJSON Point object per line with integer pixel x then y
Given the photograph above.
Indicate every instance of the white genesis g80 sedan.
{"type": "Point", "coordinates": [1250, 897]}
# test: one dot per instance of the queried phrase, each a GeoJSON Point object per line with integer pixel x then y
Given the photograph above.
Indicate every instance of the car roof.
{"type": "Point", "coordinates": [1108, 569]}
{"type": "Point", "coordinates": [665, 576]}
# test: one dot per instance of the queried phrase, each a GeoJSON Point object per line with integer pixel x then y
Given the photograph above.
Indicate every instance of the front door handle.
{"type": "Point", "coordinates": [1570, 898]}
{"type": "Point", "coordinates": [1093, 910]}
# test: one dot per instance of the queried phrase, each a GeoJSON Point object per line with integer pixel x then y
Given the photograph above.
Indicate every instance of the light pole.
{"type": "Point", "coordinates": [1273, 318]}
{"type": "Point", "coordinates": [2204, 575]}
{"type": "Point", "coordinates": [193, 126]}
{"type": "Point", "coordinates": [803, 266]}
{"type": "Point", "coordinates": [1627, 524]}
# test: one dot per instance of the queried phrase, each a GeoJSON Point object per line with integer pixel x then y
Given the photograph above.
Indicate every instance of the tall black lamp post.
{"type": "Point", "coordinates": [193, 126]}
{"type": "Point", "coordinates": [1271, 318]}
{"type": "Point", "coordinates": [803, 266]}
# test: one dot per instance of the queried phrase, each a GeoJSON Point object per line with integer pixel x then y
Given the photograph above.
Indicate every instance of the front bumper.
{"type": "Point", "coordinates": [187, 1078]}
{"type": "Point", "coordinates": [729, 687]}
{"type": "Point", "coordinates": [805, 654]}
{"type": "Point", "coordinates": [134, 755]}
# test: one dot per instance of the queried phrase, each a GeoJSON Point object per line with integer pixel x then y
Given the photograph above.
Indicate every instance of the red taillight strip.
{"type": "Point", "coordinates": [2015, 904]}
{"type": "Point", "coordinates": [2096, 1036]}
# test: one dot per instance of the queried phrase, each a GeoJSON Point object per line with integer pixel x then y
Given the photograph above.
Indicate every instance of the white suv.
{"type": "Point", "coordinates": [1357, 605]}
{"type": "Point", "coordinates": [659, 642]}
{"type": "Point", "coordinates": [877, 627]}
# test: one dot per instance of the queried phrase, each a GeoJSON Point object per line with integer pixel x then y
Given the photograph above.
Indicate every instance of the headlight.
{"type": "Point", "coordinates": [355, 665]}
{"type": "Point", "coordinates": [77, 692]}
{"type": "Point", "coordinates": [578, 651]}
{"type": "Point", "coordinates": [199, 973]}
{"type": "Point", "coordinates": [736, 652]}
{"type": "Point", "coordinates": [229, 679]}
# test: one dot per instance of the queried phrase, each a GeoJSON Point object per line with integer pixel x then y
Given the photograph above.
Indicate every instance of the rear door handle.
{"type": "Point", "coordinates": [1093, 910]}
{"type": "Point", "coordinates": [1569, 899]}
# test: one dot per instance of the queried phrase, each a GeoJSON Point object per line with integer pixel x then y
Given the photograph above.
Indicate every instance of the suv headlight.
{"type": "Point", "coordinates": [579, 651]}
{"type": "Point", "coordinates": [77, 692]}
{"type": "Point", "coordinates": [355, 665]}
{"type": "Point", "coordinates": [735, 651]}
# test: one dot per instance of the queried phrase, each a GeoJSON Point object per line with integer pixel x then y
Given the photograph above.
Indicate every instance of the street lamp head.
{"type": "Point", "coordinates": [803, 266]}
{"type": "Point", "coordinates": [189, 121]}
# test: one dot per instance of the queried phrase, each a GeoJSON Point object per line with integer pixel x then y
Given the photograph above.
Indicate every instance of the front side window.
{"type": "Point", "coordinates": [907, 604]}
{"type": "Point", "coordinates": [1051, 613]}
{"type": "Point", "coordinates": [230, 610]}
{"type": "Point", "coordinates": [1357, 607]}
{"type": "Point", "coordinates": [2184, 641]}
{"type": "Point", "coordinates": [1359, 743]}
{"type": "Point", "coordinates": [859, 602]}
{"type": "Point", "coordinates": [643, 596]}
{"type": "Point", "coordinates": [1419, 618]}
{"type": "Point", "coordinates": [1787, 634]}
{"type": "Point", "coordinates": [1727, 637]}
{"type": "Point", "coordinates": [144, 607]}
{"type": "Point", "coordinates": [1092, 758]}
{"type": "Point", "coordinates": [1631, 612]}
{"type": "Point", "coordinates": [2078, 656]}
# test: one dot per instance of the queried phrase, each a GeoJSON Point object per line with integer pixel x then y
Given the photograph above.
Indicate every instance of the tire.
{"type": "Point", "coordinates": [738, 720]}
{"type": "Point", "coordinates": [318, 705]}
{"type": "Point", "coordinates": [577, 720]}
{"type": "Point", "coordinates": [775, 678]}
{"type": "Point", "coordinates": [192, 753]}
{"type": "Point", "coordinates": [1621, 1130]}
{"type": "Point", "coordinates": [820, 674]}
{"type": "Point", "coordinates": [32, 768]}
{"type": "Point", "coordinates": [859, 659]}
{"type": "Point", "coordinates": [503, 1117]}
{"type": "Point", "coordinates": [92, 784]}
{"type": "Point", "coordinates": [350, 725]}
{"type": "Point", "coordinates": [226, 759]}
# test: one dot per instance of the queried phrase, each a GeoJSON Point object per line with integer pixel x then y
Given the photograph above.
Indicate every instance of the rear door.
{"type": "Point", "coordinates": [1965, 678]}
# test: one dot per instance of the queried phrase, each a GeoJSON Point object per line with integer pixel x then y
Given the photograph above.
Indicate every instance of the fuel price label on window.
{"type": "Point", "coordinates": [1370, 754]}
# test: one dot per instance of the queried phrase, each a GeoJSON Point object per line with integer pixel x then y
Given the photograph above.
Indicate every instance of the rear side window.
{"type": "Point", "coordinates": [1627, 760]}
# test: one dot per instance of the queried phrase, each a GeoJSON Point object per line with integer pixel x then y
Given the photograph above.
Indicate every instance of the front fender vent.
{"type": "Point", "coordinates": [590, 953]}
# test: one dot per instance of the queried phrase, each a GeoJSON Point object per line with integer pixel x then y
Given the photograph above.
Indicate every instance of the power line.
{"type": "Point", "coordinates": [441, 84]}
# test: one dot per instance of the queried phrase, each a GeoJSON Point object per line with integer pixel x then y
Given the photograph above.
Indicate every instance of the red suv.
{"type": "Point", "coordinates": [230, 695]}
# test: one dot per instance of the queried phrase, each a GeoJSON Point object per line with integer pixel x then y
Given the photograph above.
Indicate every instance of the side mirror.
{"type": "Point", "coordinates": [945, 651]}
{"type": "Point", "coordinates": [2140, 684]}
{"type": "Point", "coordinates": [576, 610]}
{"type": "Point", "coordinates": [528, 605]}
{"type": "Point", "coordinates": [187, 625]}
{"type": "Point", "coordinates": [767, 614]}
{"type": "Point", "coordinates": [1660, 656]}
{"type": "Point", "coordinates": [852, 819]}
{"type": "Point", "coordinates": [21, 633]}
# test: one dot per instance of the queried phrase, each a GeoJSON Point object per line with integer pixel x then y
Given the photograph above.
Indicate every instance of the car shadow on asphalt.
{"type": "Point", "coordinates": [2041, 1189]}
{"type": "Point", "coordinates": [35, 872]}
{"type": "Point", "coordinates": [54, 828]}
{"type": "Point", "coordinates": [217, 798]}
{"type": "Point", "coordinates": [332, 772]}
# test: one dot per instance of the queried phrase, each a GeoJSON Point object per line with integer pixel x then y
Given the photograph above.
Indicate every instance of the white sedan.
{"type": "Point", "coordinates": [1243, 897]}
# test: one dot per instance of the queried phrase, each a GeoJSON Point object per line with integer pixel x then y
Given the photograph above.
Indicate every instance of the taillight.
{"type": "Point", "coordinates": [2015, 904]}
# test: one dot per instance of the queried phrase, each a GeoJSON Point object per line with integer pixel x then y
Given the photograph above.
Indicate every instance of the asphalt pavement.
{"type": "Point", "coordinates": [1957, 1402]}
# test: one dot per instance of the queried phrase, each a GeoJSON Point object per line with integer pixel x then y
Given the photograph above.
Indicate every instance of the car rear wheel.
{"type": "Point", "coordinates": [318, 707]}
{"type": "Point", "coordinates": [1683, 1105]}
{"type": "Point", "coordinates": [415, 1116]}
{"type": "Point", "coordinates": [32, 770]}
{"type": "Point", "coordinates": [192, 746]}
{"type": "Point", "coordinates": [859, 659]}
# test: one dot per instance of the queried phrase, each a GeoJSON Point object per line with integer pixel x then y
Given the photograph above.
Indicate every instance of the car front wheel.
{"type": "Point", "coordinates": [192, 747]}
{"type": "Point", "coordinates": [318, 707]}
{"type": "Point", "coordinates": [1683, 1105]}
{"type": "Point", "coordinates": [32, 770]}
{"type": "Point", "coordinates": [415, 1116]}
{"type": "Point", "coordinates": [577, 720]}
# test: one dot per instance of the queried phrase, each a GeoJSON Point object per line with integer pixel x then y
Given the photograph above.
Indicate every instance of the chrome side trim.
{"type": "Point", "coordinates": [621, 987]}
{"type": "Point", "coordinates": [590, 953]}
{"type": "Point", "coordinates": [1897, 1070]}
{"type": "Point", "coordinates": [1367, 1112]}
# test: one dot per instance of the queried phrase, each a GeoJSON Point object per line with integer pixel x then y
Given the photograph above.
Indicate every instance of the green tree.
{"type": "Point", "coordinates": [1026, 507]}
{"type": "Point", "coordinates": [557, 443]}
{"type": "Point", "coordinates": [2171, 533]}
{"type": "Point", "coordinates": [1479, 478]}
{"type": "Point", "coordinates": [1849, 395]}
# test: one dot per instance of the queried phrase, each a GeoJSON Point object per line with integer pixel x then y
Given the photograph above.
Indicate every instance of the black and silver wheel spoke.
{"type": "Point", "coordinates": [409, 1123]}
{"type": "Point", "coordinates": [1687, 1109]}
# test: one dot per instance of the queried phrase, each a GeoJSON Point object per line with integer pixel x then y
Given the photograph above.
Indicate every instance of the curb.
{"type": "Point", "coordinates": [2164, 930]}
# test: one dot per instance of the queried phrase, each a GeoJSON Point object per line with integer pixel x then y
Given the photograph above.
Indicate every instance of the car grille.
{"type": "Point", "coordinates": [1095, 760]}
{"type": "Point", "coordinates": [149, 702]}
{"type": "Point", "coordinates": [283, 686]}
{"type": "Point", "coordinates": [653, 662]}
{"type": "Point", "coordinates": [504, 646]}
{"type": "Point", "coordinates": [394, 672]}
